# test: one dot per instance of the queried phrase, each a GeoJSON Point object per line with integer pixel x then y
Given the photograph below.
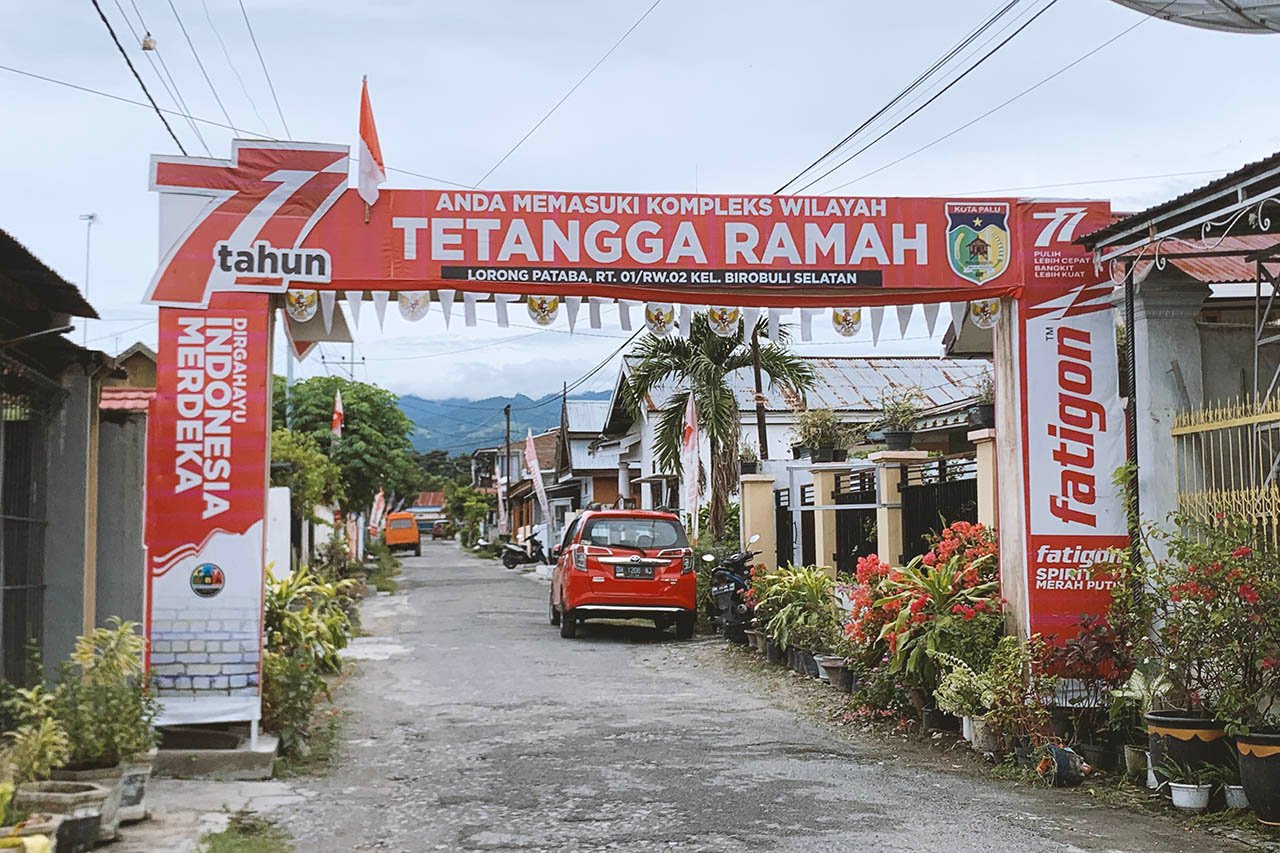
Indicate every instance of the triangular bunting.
{"type": "Point", "coordinates": [327, 299]}
{"type": "Point", "coordinates": [904, 319]}
{"type": "Point", "coordinates": [806, 323]}
{"type": "Point", "coordinates": [624, 314]}
{"type": "Point", "coordinates": [931, 316]}
{"type": "Point", "coordinates": [686, 320]}
{"type": "Point", "coordinates": [593, 310]}
{"type": "Point", "coordinates": [750, 316]}
{"type": "Point", "coordinates": [957, 316]}
{"type": "Point", "coordinates": [500, 303]}
{"type": "Point", "coordinates": [775, 322]}
{"type": "Point", "coordinates": [469, 307]}
{"type": "Point", "coordinates": [877, 317]}
{"type": "Point", "coordinates": [446, 304]}
{"type": "Point", "coordinates": [380, 299]}
{"type": "Point", "coordinates": [571, 306]}
{"type": "Point", "coordinates": [354, 298]}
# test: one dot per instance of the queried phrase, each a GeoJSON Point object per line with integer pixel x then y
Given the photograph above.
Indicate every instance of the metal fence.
{"type": "Point", "coordinates": [808, 540]}
{"type": "Point", "coordinates": [784, 528]}
{"type": "Point", "coordinates": [1228, 464]}
{"type": "Point", "coordinates": [936, 493]}
{"type": "Point", "coordinates": [855, 528]}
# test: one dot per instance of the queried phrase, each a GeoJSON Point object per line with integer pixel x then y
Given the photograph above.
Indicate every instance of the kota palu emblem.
{"type": "Point", "coordinates": [978, 239]}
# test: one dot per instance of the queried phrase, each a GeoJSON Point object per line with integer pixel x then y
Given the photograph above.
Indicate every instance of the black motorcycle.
{"type": "Point", "coordinates": [515, 555]}
{"type": "Point", "coordinates": [727, 603]}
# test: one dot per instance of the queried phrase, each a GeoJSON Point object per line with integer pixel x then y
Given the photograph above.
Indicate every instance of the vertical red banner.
{"type": "Point", "coordinates": [207, 474]}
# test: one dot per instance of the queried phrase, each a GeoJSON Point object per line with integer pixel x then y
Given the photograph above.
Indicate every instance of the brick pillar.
{"type": "Point", "coordinates": [757, 512]}
{"type": "Point", "coordinates": [824, 520]}
{"type": "Point", "coordinates": [985, 442]}
{"type": "Point", "coordinates": [889, 501]}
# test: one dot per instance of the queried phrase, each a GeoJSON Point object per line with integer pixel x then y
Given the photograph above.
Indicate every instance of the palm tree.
{"type": "Point", "coordinates": [701, 363]}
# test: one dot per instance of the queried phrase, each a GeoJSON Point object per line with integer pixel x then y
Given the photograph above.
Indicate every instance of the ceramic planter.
{"type": "Point", "coordinates": [1236, 797]}
{"type": "Point", "coordinates": [1260, 774]}
{"type": "Point", "coordinates": [1186, 740]}
{"type": "Point", "coordinates": [841, 677]}
{"type": "Point", "coordinates": [110, 778]}
{"type": "Point", "coordinates": [752, 638]}
{"type": "Point", "coordinates": [1191, 798]}
{"type": "Point", "coordinates": [745, 467]}
{"type": "Point", "coordinates": [982, 415]}
{"type": "Point", "coordinates": [898, 439]}
{"type": "Point", "coordinates": [133, 788]}
{"type": "Point", "coordinates": [80, 804]}
{"type": "Point", "coordinates": [48, 825]}
{"type": "Point", "coordinates": [985, 738]}
{"type": "Point", "coordinates": [822, 454]}
{"type": "Point", "coordinates": [1135, 761]}
{"type": "Point", "coordinates": [1099, 756]}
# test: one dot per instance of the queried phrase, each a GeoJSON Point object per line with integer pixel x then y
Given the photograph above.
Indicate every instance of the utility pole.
{"type": "Point", "coordinates": [762, 434]}
{"type": "Point", "coordinates": [506, 448]}
{"type": "Point", "coordinates": [347, 365]}
{"type": "Point", "coordinates": [89, 219]}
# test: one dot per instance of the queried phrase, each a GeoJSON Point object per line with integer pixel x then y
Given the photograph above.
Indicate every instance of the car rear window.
{"type": "Point", "coordinates": [402, 523]}
{"type": "Point", "coordinates": [634, 532]}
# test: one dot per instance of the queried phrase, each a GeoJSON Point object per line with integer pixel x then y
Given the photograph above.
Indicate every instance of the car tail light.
{"type": "Point", "coordinates": [686, 562]}
{"type": "Point", "coordinates": [580, 559]}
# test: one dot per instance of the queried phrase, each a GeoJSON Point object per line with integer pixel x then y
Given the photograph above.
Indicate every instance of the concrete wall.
{"type": "Point", "coordinates": [69, 560]}
{"type": "Point", "coordinates": [121, 558]}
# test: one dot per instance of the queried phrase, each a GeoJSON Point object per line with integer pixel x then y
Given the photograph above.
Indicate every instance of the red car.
{"type": "Point", "coordinates": [624, 564]}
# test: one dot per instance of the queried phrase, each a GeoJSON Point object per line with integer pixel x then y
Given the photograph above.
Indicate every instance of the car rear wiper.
{"type": "Point", "coordinates": [637, 548]}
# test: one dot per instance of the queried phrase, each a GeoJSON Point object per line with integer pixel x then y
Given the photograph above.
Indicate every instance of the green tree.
{"type": "Point", "coordinates": [702, 363]}
{"type": "Point", "coordinates": [299, 463]}
{"type": "Point", "coordinates": [468, 507]}
{"type": "Point", "coordinates": [440, 468]}
{"type": "Point", "coordinates": [374, 450]}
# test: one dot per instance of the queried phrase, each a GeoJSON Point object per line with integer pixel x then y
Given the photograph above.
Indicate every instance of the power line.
{"type": "Point", "coordinates": [227, 55]}
{"type": "Point", "coordinates": [577, 383]}
{"type": "Point", "coordinates": [270, 85]}
{"type": "Point", "coordinates": [170, 85]}
{"type": "Point", "coordinates": [1087, 183]}
{"type": "Point", "coordinates": [1141, 20]}
{"type": "Point", "coordinates": [947, 57]}
{"type": "Point", "coordinates": [567, 94]}
{"type": "Point", "coordinates": [138, 77]}
{"type": "Point", "coordinates": [935, 96]}
{"type": "Point", "coordinates": [200, 64]}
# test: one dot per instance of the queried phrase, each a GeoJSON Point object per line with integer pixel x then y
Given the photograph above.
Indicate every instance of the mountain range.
{"type": "Point", "coordinates": [457, 425]}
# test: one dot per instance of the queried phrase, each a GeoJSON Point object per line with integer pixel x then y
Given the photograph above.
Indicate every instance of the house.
{"type": "Point", "coordinates": [428, 508]}
{"type": "Point", "coordinates": [525, 513]}
{"type": "Point", "coordinates": [71, 479]}
{"type": "Point", "coordinates": [585, 474]}
{"type": "Point", "coordinates": [138, 363]}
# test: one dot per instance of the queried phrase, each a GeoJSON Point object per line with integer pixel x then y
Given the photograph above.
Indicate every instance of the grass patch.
{"type": "Point", "coordinates": [247, 833]}
{"type": "Point", "coordinates": [321, 748]}
{"type": "Point", "coordinates": [383, 577]}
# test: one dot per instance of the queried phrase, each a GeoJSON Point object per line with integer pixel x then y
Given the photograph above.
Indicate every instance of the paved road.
{"type": "Point", "coordinates": [474, 726]}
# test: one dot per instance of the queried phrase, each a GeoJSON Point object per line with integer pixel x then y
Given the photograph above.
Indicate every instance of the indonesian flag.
{"type": "Point", "coordinates": [535, 471]}
{"type": "Point", "coordinates": [689, 460]}
{"type": "Point", "coordinates": [336, 425]}
{"type": "Point", "coordinates": [379, 506]}
{"type": "Point", "coordinates": [371, 172]}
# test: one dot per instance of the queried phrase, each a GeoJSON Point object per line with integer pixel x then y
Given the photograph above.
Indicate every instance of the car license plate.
{"type": "Point", "coordinates": [641, 572]}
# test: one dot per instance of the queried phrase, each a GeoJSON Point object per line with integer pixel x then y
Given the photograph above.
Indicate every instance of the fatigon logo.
{"type": "Point", "coordinates": [978, 239]}
{"type": "Point", "coordinates": [207, 580]}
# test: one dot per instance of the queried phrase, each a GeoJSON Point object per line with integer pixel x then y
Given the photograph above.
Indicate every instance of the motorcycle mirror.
{"type": "Point", "coordinates": [708, 558]}
{"type": "Point", "coordinates": [755, 537]}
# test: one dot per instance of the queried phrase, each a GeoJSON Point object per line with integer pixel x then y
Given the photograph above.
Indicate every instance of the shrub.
{"type": "Point", "coordinates": [823, 428]}
{"type": "Point", "coordinates": [291, 686]}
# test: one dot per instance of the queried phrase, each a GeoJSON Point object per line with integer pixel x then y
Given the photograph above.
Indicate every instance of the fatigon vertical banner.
{"type": "Point", "coordinates": [207, 452]}
{"type": "Point", "coordinates": [1073, 427]}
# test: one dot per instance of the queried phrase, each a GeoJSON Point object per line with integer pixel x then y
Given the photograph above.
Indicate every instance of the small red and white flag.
{"type": "Point", "coordinates": [689, 460]}
{"type": "Point", "coordinates": [336, 424]}
{"type": "Point", "coordinates": [371, 172]}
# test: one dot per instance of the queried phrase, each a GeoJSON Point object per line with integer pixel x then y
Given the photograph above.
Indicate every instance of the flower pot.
{"type": "Point", "coordinates": [985, 738]}
{"type": "Point", "coordinates": [1260, 774]}
{"type": "Point", "coordinates": [1098, 756]}
{"type": "Point", "coordinates": [826, 663]}
{"type": "Point", "coordinates": [898, 439]}
{"type": "Point", "coordinates": [774, 652]}
{"type": "Point", "coordinates": [1135, 761]}
{"type": "Point", "coordinates": [982, 415]}
{"type": "Point", "coordinates": [966, 728]}
{"type": "Point", "coordinates": [841, 677]}
{"type": "Point", "coordinates": [822, 454]}
{"type": "Point", "coordinates": [110, 778]}
{"type": "Point", "coordinates": [80, 804]}
{"type": "Point", "coordinates": [1236, 797]}
{"type": "Point", "coordinates": [745, 467]}
{"type": "Point", "coordinates": [47, 825]}
{"type": "Point", "coordinates": [1027, 756]}
{"type": "Point", "coordinates": [799, 451]}
{"type": "Point", "coordinates": [1191, 798]}
{"type": "Point", "coordinates": [133, 788]}
{"type": "Point", "coordinates": [935, 720]}
{"type": "Point", "coordinates": [1186, 740]}
{"type": "Point", "coordinates": [752, 636]}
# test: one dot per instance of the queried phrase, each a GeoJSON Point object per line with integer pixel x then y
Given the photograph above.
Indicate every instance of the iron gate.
{"type": "Point", "coordinates": [855, 528]}
{"type": "Point", "coordinates": [936, 493]}
{"type": "Point", "coordinates": [783, 528]}
{"type": "Point", "coordinates": [808, 544]}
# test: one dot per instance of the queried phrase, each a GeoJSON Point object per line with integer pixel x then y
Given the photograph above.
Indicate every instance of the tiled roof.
{"type": "Point", "coordinates": [125, 399]}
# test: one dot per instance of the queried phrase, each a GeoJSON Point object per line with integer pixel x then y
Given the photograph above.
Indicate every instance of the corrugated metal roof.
{"type": "Point", "coordinates": [1222, 270]}
{"type": "Point", "coordinates": [581, 457]}
{"type": "Point", "coordinates": [428, 500]}
{"type": "Point", "coordinates": [125, 399]}
{"type": "Point", "coordinates": [587, 416]}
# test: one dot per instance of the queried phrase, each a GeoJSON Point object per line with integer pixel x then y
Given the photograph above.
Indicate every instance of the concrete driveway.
{"type": "Point", "coordinates": [474, 726]}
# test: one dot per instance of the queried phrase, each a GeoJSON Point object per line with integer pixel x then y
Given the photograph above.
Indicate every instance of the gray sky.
{"type": "Point", "coordinates": [728, 96]}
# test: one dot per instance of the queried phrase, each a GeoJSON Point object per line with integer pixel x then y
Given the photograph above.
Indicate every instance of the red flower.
{"type": "Point", "coordinates": [1242, 551]}
{"type": "Point", "coordinates": [1248, 594]}
{"type": "Point", "coordinates": [958, 608]}
{"type": "Point", "coordinates": [929, 559]}
{"type": "Point", "coordinates": [919, 604]}
{"type": "Point", "coordinates": [1270, 663]}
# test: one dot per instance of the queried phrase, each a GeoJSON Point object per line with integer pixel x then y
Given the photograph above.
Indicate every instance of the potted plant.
{"type": "Point", "coordinates": [105, 704]}
{"type": "Point", "coordinates": [959, 693]}
{"type": "Point", "coordinates": [899, 408]}
{"type": "Point", "coordinates": [982, 414]}
{"type": "Point", "coordinates": [1228, 778]}
{"type": "Point", "coordinates": [15, 825]}
{"type": "Point", "coordinates": [802, 601]}
{"type": "Point", "coordinates": [34, 750]}
{"type": "Point", "coordinates": [1190, 785]}
{"type": "Point", "coordinates": [1127, 711]}
{"type": "Point", "coordinates": [1017, 694]}
{"type": "Point", "coordinates": [827, 437]}
{"type": "Point", "coordinates": [748, 459]}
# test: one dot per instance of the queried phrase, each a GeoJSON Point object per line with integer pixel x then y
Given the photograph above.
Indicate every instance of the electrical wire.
{"type": "Point", "coordinates": [174, 94]}
{"type": "Point", "coordinates": [567, 94]}
{"type": "Point", "coordinates": [265, 73]}
{"type": "Point", "coordinates": [227, 55]}
{"type": "Point", "coordinates": [577, 383]}
{"type": "Point", "coordinates": [1141, 20]}
{"type": "Point", "coordinates": [200, 64]}
{"type": "Point", "coordinates": [934, 97]}
{"type": "Point", "coordinates": [138, 77]}
{"type": "Point", "coordinates": [925, 75]}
